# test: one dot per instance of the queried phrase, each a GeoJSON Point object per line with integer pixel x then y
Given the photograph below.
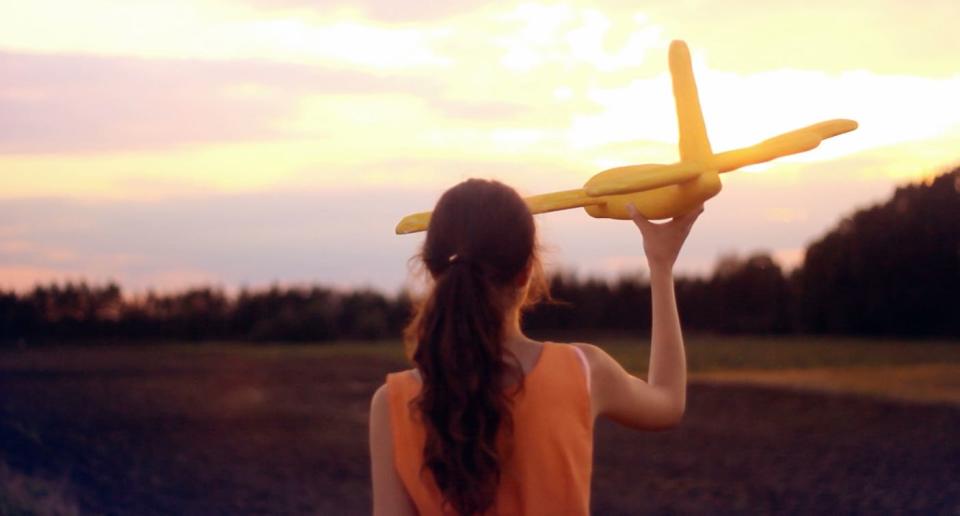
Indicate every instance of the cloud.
{"type": "Point", "coordinates": [883, 36]}
{"type": "Point", "coordinates": [215, 29]}
{"type": "Point", "coordinates": [601, 67]}
{"type": "Point", "coordinates": [479, 109]}
{"type": "Point", "coordinates": [381, 10]}
{"type": "Point", "coordinates": [55, 104]}
{"type": "Point", "coordinates": [71, 103]}
{"type": "Point", "coordinates": [742, 109]}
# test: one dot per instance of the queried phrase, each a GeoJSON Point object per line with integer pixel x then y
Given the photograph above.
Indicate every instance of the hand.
{"type": "Point", "coordinates": [662, 241]}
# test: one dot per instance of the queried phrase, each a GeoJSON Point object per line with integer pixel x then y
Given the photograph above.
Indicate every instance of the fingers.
{"type": "Point", "coordinates": [687, 219]}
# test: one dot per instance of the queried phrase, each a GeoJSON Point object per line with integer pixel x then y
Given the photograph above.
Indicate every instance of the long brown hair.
{"type": "Point", "coordinates": [481, 237]}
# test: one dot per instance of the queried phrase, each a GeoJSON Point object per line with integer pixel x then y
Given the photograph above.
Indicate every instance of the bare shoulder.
{"type": "Point", "coordinates": [588, 349]}
{"type": "Point", "coordinates": [380, 413]}
{"type": "Point", "coordinates": [389, 494]}
{"type": "Point", "coordinates": [600, 361]}
{"type": "Point", "coordinates": [615, 392]}
{"type": "Point", "coordinates": [380, 400]}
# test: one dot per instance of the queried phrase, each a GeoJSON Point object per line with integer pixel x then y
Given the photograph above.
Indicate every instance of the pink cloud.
{"type": "Point", "coordinates": [71, 103]}
{"type": "Point", "coordinates": [385, 10]}
{"type": "Point", "coordinates": [76, 104]}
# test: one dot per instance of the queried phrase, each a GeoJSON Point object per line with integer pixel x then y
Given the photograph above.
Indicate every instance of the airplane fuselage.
{"type": "Point", "coordinates": [659, 203]}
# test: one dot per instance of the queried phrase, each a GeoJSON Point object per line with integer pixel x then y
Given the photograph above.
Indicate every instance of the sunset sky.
{"type": "Point", "coordinates": [168, 143]}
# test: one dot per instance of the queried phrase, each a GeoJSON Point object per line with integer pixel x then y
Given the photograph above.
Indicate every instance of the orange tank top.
{"type": "Point", "coordinates": [548, 471]}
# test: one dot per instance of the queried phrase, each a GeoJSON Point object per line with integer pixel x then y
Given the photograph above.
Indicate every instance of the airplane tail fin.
{"type": "Point", "coordinates": [694, 145]}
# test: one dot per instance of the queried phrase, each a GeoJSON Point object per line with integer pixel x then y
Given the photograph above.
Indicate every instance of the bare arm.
{"type": "Point", "coordinates": [389, 495]}
{"type": "Point", "coordinates": [660, 402]}
{"type": "Point", "coordinates": [667, 371]}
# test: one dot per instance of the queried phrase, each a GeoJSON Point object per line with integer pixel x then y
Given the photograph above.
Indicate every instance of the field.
{"type": "Point", "coordinates": [797, 425]}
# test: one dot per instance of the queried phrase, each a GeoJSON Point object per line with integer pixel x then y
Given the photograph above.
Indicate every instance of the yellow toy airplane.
{"type": "Point", "coordinates": [664, 191]}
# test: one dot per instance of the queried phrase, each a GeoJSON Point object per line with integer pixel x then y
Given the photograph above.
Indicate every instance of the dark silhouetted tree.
{"type": "Point", "coordinates": [893, 268]}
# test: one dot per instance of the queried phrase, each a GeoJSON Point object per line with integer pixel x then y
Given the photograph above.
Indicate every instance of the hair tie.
{"type": "Point", "coordinates": [458, 258]}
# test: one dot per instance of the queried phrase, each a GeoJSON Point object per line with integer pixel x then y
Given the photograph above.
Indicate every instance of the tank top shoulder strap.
{"type": "Point", "coordinates": [567, 355]}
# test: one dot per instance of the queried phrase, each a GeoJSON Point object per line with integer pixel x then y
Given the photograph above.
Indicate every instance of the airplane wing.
{"type": "Point", "coordinates": [564, 200]}
{"type": "Point", "coordinates": [553, 201]}
{"type": "Point", "coordinates": [785, 144]}
{"type": "Point", "coordinates": [694, 145]}
{"type": "Point", "coordinates": [638, 178]}
{"type": "Point", "coordinates": [413, 223]}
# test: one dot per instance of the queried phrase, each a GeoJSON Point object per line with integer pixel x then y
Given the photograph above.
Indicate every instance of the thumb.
{"type": "Point", "coordinates": [638, 219]}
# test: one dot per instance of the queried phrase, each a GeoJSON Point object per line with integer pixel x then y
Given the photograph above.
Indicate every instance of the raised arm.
{"type": "Point", "coordinates": [659, 402]}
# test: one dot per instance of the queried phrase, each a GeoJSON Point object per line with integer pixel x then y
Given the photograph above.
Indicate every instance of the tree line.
{"type": "Point", "coordinates": [889, 269]}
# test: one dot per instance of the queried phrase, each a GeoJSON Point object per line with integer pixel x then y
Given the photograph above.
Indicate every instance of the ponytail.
{"type": "Point", "coordinates": [462, 399]}
{"type": "Point", "coordinates": [480, 238]}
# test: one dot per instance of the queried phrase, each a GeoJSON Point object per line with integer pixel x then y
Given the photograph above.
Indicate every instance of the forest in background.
{"type": "Point", "coordinates": [889, 269]}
